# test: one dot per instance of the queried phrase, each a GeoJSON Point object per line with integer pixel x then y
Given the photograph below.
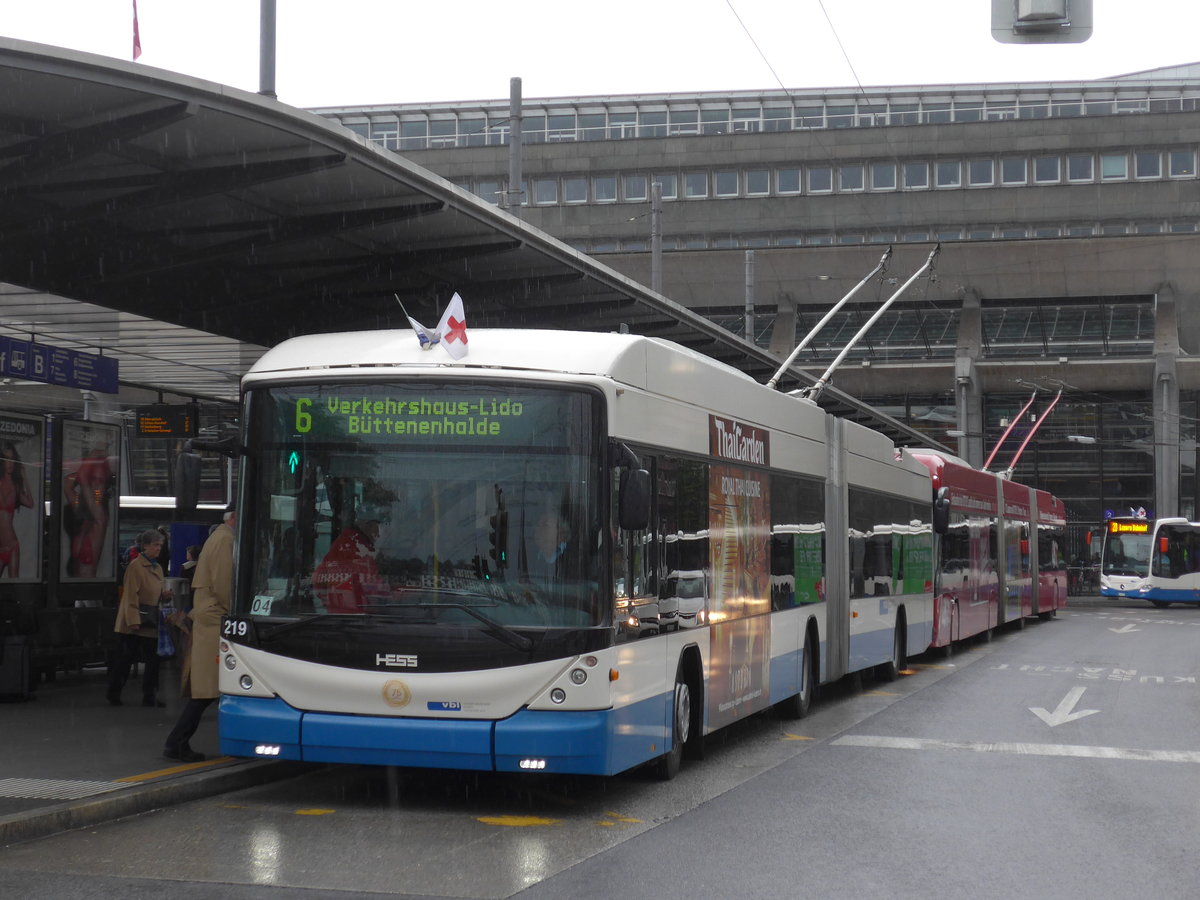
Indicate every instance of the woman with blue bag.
{"type": "Point", "coordinates": [138, 621]}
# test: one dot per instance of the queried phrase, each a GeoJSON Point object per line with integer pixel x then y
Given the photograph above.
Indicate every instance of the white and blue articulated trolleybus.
{"type": "Point", "coordinates": [475, 563]}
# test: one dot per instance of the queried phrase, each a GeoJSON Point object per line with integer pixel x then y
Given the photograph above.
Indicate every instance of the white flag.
{"type": "Point", "coordinates": [452, 329]}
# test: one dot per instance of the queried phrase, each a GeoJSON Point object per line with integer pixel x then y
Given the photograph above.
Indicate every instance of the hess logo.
{"type": "Point", "coordinates": [396, 660]}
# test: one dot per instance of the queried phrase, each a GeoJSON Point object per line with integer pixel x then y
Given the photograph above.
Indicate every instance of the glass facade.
{"type": "Point", "coordinates": [407, 128]}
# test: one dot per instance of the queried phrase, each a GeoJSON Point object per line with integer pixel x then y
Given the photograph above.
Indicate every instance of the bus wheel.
{"type": "Point", "coordinates": [890, 671]}
{"type": "Point", "coordinates": [798, 705]}
{"type": "Point", "coordinates": [667, 766]}
{"type": "Point", "coordinates": [1161, 604]}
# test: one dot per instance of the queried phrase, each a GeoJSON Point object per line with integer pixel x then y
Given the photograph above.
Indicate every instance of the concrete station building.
{"type": "Point", "coordinates": [1067, 216]}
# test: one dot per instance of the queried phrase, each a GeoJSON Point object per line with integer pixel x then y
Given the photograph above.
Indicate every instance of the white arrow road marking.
{"type": "Point", "coordinates": [1062, 712]}
{"type": "Point", "coordinates": [1124, 629]}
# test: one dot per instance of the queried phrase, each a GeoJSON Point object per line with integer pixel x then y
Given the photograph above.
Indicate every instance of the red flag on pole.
{"type": "Point", "coordinates": [137, 38]}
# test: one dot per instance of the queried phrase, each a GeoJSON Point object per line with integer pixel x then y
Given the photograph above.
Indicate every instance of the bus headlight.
{"type": "Point", "coordinates": [558, 695]}
{"type": "Point", "coordinates": [578, 676]}
{"type": "Point", "coordinates": [231, 662]}
{"type": "Point", "coordinates": [246, 682]}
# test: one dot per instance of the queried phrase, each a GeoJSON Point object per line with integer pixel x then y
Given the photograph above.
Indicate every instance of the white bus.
{"type": "Point", "coordinates": [1152, 559]}
{"type": "Point", "coordinates": [441, 562]}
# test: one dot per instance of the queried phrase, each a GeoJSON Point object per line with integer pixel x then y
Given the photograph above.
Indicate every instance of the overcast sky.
{"type": "Point", "coordinates": [354, 52]}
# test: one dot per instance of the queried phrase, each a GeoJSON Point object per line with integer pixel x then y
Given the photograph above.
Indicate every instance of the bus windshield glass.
{"type": "Point", "coordinates": [440, 504]}
{"type": "Point", "coordinates": [1127, 548]}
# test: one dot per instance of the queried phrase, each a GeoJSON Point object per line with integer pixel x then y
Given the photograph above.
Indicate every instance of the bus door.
{"type": "Point", "coordinates": [954, 569]}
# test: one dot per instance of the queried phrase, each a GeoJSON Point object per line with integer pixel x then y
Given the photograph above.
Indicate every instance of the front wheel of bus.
{"type": "Point", "coordinates": [681, 726]}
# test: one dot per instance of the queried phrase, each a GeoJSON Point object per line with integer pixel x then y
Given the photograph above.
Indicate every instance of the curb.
{"type": "Point", "coordinates": [143, 798]}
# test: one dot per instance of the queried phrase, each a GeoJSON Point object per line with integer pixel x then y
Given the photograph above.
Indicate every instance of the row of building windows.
{"type": "Point", "coordinates": [420, 129]}
{"type": "Point", "coordinates": [601, 245]}
{"type": "Point", "coordinates": [855, 177]}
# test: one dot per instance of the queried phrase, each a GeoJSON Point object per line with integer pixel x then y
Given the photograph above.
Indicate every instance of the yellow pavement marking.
{"type": "Point", "coordinates": [880, 694]}
{"type": "Point", "coordinates": [518, 821]}
{"type": "Point", "coordinates": [787, 736]}
{"type": "Point", "coordinates": [174, 770]}
{"type": "Point", "coordinates": [315, 812]}
{"type": "Point", "coordinates": [620, 818]}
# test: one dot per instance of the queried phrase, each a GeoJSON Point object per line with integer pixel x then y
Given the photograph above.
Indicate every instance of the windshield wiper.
{"type": "Point", "coordinates": [501, 632]}
{"type": "Point", "coordinates": [308, 620]}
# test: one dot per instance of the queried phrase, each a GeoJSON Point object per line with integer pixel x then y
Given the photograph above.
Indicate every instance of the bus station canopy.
{"type": "Point", "coordinates": [182, 227]}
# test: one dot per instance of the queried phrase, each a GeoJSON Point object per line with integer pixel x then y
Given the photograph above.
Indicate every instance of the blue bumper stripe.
{"type": "Point", "coordinates": [600, 742]}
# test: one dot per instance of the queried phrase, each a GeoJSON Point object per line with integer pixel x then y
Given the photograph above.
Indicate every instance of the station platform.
{"type": "Point", "coordinates": [70, 760]}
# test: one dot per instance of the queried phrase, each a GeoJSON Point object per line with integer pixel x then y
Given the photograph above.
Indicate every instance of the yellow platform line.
{"type": "Point", "coordinates": [173, 770]}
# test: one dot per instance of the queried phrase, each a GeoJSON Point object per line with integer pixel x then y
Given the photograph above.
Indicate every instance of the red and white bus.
{"type": "Point", "coordinates": [989, 570]}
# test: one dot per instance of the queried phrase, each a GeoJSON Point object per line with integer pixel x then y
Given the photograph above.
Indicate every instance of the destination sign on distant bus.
{"type": "Point", "coordinates": [447, 414]}
{"type": "Point", "coordinates": [1125, 527]}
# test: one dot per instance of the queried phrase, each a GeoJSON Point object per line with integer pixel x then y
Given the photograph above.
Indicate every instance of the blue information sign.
{"type": "Point", "coordinates": [57, 365]}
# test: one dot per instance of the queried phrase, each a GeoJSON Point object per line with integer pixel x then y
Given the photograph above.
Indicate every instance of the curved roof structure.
{"type": "Point", "coordinates": [212, 223]}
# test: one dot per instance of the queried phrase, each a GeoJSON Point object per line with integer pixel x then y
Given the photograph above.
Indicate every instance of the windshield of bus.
{"type": "Point", "coordinates": [1126, 549]}
{"type": "Point", "coordinates": [465, 505]}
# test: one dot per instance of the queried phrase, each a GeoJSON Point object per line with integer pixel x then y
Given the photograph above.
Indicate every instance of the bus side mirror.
{"type": "Point", "coordinates": [634, 511]}
{"type": "Point", "coordinates": [187, 484]}
{"type": "Point", "coordinates": [941, 511]}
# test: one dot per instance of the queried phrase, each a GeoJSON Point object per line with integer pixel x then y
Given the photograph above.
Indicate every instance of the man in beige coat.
{"type": "Point", "coordinates": [212, 587]}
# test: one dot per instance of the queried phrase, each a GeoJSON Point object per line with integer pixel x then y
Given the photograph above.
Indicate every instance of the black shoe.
{"type": "Point", "coordinates": [150, 701]}
{"type": "Point", "coordinates": [183, 754]}
{"type": "Point", "coordinates": [114, 700]}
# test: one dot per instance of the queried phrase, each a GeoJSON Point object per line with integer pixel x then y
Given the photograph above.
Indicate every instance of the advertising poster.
{"type": "Point", "coordinates": [809, 561]}
{"type": "Point", "coordinates": [22, 448]}
{"type": "Point", "coordinates": [917, 561]}
{"type": "Point", "coordinates": [739, 548]}
{"type": "Point", "coordinates": [90, 455]}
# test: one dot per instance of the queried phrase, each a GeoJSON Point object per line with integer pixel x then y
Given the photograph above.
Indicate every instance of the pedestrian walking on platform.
{"type": "Point", "coordinates": [212, 588]}
{"type": "Point", "coordinates": [138, 621]}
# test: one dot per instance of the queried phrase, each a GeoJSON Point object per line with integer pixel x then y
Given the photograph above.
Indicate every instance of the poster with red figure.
{"type": "Point", "coordinates": [91, 454]}
{"type": "Point", "coordinates": [22, 474]}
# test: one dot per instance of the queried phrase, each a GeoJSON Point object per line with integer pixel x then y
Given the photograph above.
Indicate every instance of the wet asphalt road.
{"type": "Point", "coordinates": [1057, 761]}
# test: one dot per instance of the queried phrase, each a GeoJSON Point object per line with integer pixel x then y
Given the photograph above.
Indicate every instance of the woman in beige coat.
{"type": "Point", "coordinates": [212, 587]}
{"type": "Point", "coordinates": [142, 589]}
